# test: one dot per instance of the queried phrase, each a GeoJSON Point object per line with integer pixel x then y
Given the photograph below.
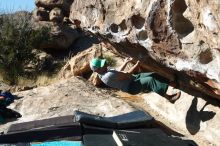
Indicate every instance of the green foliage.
{"type": "Point", "coordinates": [40, 37]}
{"type": "Point", "coordinates": [110, 61]}
{"type": "Point", "coordinates": [17, 40]}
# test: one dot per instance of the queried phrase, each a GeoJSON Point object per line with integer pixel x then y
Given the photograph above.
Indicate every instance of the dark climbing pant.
{"type": "Point", "coordinates": [9, 98]}
{"type": "Point", "coordinates": [147, 82]}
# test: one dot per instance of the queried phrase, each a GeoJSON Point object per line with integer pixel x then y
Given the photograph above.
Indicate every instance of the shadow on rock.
{"type": "Point", "coordinates": [8, 115]}
{"type": "Point", "coordinates": [194, 117]}
{"type": "Point", "coordinates": [84, 42]}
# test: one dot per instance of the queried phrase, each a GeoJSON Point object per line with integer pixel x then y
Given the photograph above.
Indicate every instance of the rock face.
{"type": "Point", "coordinates": [50, 4]}
{"type": "Point", "coordinates": [40, 62]}
{"type": "Point", "coordinates": [40, 14]}
{"type": "Point", "coordinates": [54, 14]}
{"type": "Point", "coordinates": [198, 27]}
{"type": "Point", "coordinates": [63, 98]}
{"type": "Point", "coordinates": [79, 64]}
{"type": "Point", "coordinates": [167, 36]}
{"type": "Point", "coordinates": [61, 36]}
{"type": "Point", "coordinates": [192, 116]}
{"type": "Point", "coordinates": [181, 34]}
{"type": "Point", "coordinates": [197, 120]}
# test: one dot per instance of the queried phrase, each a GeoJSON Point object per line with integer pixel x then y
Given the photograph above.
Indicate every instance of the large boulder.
{"type": "Point", "coordinates": [40, 14]}
{"type": "Point", "coordinates": [41, 62]}
{"type": "Point", "coordinates": [50, 4]}
{"type": "Point", "coordinates": [64, 36]}
{"type": "Point", "coordinates": [191, 115]}
{"type": "Point", "coordinates": [79, 64]}
{"type": "Point", "coordinates": [56, 15]}
{"type": "Point", "coordinates": [180, 34]}
{"type": "Point", "coordinates": [62, 98]}
{"type": "Point", "coordinates": [197, 28]}
{"type": "Point", "coordinates": [61, 36]}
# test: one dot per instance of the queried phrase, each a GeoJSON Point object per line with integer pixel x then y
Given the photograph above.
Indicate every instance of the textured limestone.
{"type": "Point", "coordinates": [50, 4]}
{"type": "Point", "coordinates": [79, 64]}
{"type": "Point", "coordinates": [40, 14]}
{"type": "Point", "coordinates": [56, 15]}
{"type": "Point", "coordinates": [61, 36]}
{"type": "Point", "coordinates": [156, 29]}
{"type": "Point", "coordinates": [42, 61]}
{"type": "Point", "coordinates": [181, 34]}
{"type": "Point", "coordinates": [198, 27]}
{"type": "Point", "coordinates": [198, 119]}
{"type": "Point", "coordinates": [192, 115]}
{"type": "Point", "coordinates": [63, 97]}
{"type": "Point", "coordinates": [57, 12]}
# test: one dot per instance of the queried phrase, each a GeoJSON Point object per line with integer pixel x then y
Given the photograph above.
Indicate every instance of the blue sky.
{"type": "Point", "coordinates": [16, 5]}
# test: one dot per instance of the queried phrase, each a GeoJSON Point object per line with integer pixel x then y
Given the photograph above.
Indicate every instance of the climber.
{"type": "Point", "coordinates": [6, 98]}
{"type": "Point", "coordinates": [132, 83]}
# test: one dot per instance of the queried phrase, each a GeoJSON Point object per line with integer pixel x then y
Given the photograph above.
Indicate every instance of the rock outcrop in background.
{"type": "Point", "coordinates": [54, 14]}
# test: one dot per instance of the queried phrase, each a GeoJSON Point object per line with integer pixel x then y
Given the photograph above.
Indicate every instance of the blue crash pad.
{"type": "Point", "coordinates": [59, 143]}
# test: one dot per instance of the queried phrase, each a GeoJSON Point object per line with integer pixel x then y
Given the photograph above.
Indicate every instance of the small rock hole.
{"type": "Point", "coordinates": [137, 21]}
{"type": "Point", "coordinates": [114, 28]}
{"type": "Point", "coordinates": [123, 25]}
{"type": "Point", "coordinates": [205, 57]}
{"type": "Point", "coordinates": [182, 25]}
{"type": "Point", "coordinates": [142, 35]}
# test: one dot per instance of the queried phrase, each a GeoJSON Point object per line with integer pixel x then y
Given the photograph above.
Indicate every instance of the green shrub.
{"type": "Point", "coordinates": [110, 61]}
{"type": "Point", "coordinates": [40, 37]}
{"type": "Point", "coordinates": [17, 40]}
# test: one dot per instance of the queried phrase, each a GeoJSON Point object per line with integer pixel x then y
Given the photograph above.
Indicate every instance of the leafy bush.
{"type": "Point", "coordinates": [17, 40]}
{"type": "Point", "coordinates": [110, 61]}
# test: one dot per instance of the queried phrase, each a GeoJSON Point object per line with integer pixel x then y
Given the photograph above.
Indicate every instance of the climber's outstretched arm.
{"type": "Point", "coordinates": [134, 68]}
{"type": "Point", "coordinates": [126, 61]}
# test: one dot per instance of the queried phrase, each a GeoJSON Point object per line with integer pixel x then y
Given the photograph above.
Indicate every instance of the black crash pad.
{"type": "Point", "coordinates": [37, 124]}
{"type": "Point", "coordinates": [41, 130]}
{"type": "Point", "coordinates": [136, 137]}
{"type": "Point", "coordinates": [129, 120]}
